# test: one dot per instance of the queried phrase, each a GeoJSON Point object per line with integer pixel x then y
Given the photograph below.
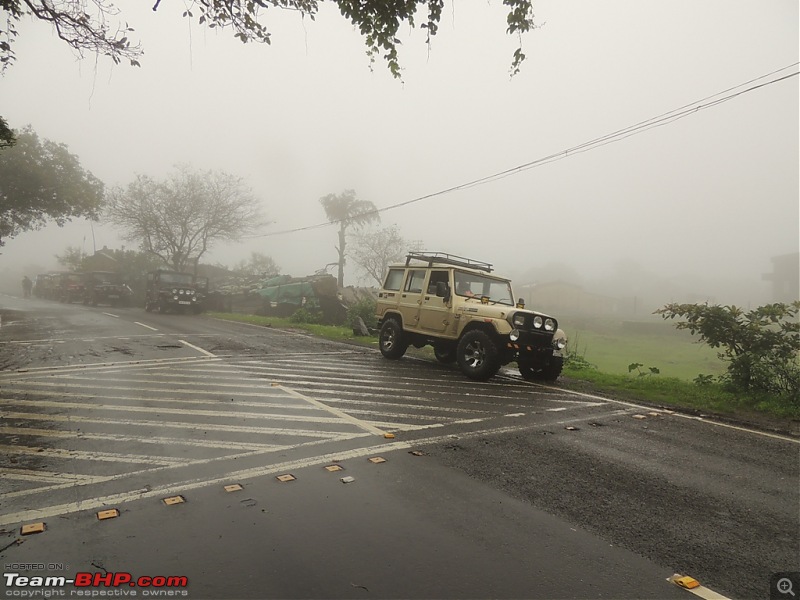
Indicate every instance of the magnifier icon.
{"type": "Point", "coordinates": [784, 586]}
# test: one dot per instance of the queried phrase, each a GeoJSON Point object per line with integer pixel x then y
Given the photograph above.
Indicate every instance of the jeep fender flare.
{"type": "Point", "coordinates": [391, 315]}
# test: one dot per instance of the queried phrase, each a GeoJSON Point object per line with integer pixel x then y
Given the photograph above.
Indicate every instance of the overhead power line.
{"type": "Point", "coordinates": [610, 138]}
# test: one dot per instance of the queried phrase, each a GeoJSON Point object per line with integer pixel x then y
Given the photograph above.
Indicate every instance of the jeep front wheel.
{"type": "Point", "coordinates": [546, 371]}
{"type": "Point", "coordinates": [477, 355]}
{"type": "Point", "coordinates": [391, 339]}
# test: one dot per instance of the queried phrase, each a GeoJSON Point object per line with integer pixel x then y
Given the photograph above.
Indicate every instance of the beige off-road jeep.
{"type": "Point", "coordinates": [468, 315]}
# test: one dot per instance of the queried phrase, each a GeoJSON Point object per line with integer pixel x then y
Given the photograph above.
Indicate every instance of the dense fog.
{"type": "Point", "coordinates": [692, 210]}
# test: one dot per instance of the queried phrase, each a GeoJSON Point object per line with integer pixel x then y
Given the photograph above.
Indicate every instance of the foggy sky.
{"type": "Point", "coordinates": [710, 197]}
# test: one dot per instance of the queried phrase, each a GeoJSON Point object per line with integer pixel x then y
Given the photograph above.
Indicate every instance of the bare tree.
{"type": "Point", "coordinates": [374, 250]}
{"type": "Point", "coordinates": [180, 218]}
{"type": "Point", "coordinates": [348, 211]}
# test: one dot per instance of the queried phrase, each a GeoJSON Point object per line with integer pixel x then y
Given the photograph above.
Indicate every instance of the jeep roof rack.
{"type": "Point", "coordinates": [443, 258]}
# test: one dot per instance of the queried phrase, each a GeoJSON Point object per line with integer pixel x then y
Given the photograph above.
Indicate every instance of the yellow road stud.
{"type": "Point", "coordinates": [333, 468]}
{"type": "Point", "coordinates": [111, 513]}
{"type": "Point", "coordinates": [285, 478]}
{"type": "Point", "coordinates": [32, 528]}
{"type": "Point", "coordinates": [174, 500]}
{"type": "Point", "coordinates": [685, 581]}
{"type": "Point", "coordinates": [233, 488]}
{"type": "Point", "coordinates": [388, 436]}
{"type": "Point", "coordinates": [377, 459]}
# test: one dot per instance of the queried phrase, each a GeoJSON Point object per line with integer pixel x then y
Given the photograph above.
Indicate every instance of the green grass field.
{"type": "Point", "coordinates": [612, 346]}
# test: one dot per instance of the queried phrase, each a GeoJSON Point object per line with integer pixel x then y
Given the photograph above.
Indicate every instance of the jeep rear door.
{"type": "Point", "coordinates": [411, 297]}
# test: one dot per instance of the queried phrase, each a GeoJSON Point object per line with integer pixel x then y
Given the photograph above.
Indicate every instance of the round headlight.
{"type": "Point", "coordinates": [174, 291]}
{"type": "Point", "coordinates": [518, 320]}
{"type": "Point", "coordinates": [174, 297]}
{"type": "Point", "coordinates": [514, 335]}
{"type": "Point", "coordinates": [549, 324]}
{"type": "Point", "coordinates": [194, 299]}
{"type": "Point", "coordinates": [537, 322]}
{"type": "Point", "coordinates": [180, 292]}
{"type": "Point", "coordinates": [561, 343]}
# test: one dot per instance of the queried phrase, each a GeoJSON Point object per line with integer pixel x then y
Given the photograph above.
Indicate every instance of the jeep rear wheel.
{"type": "Point", "coordinates": [477, 355]}
{"type": "Point", "coordinates": [544, 371]}
{"type": "Point", "coordinates": [445, 353]}
{"type": "Point", "coordinates": [391, 339]}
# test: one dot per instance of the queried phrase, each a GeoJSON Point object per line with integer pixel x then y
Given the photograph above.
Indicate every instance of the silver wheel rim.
{"type": "Point", "coordinates": [474, 355]}
{"type": "Point", "coordinates": [388, 339]}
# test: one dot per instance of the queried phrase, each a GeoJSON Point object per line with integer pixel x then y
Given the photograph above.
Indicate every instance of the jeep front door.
{"type": "Point", "coordinates": [435, 311]}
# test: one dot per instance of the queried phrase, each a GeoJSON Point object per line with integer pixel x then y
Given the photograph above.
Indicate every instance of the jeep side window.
{"type": "Point", "coordinates": [394, 280]}
{"type": "Point", "coordinates": [415, 281]}
{"type": "Point", "coordinates": [437, 277]}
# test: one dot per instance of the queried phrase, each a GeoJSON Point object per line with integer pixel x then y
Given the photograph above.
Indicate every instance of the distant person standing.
{"type": "Point", "coordinates": [27, 286]}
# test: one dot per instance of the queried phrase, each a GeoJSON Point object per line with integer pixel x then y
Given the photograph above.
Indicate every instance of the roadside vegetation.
{"type": "Point", "coordinates": [652, 362]}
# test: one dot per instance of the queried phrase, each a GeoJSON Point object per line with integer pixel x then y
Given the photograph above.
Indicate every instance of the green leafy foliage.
{"type": "Point", "coordinates": [638, 368]}
{"type": "Point", "coordinates": [305, 316]}
{"type": "Point", "coordinates": [761, 346]}
{"type": "Point", "coordinates": [364, 308]}
{"type": "Point", "coordinates": [40, 181]}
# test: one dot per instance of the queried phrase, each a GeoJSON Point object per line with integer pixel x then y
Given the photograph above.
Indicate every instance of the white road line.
{"type": "Point", "coordinates": [160, 441]}
{"type": "Point", "coordinates": [121, 476]}
{"type": "Point", "coordinates": [147, 326]}
{"type": "Point", "coordinates": [110, 315]}
{"type": "Point", "coordinates": [676, 414]}
{"type": "Point", "coordinates": [180, 401]}
{"type": "Point", "coordinates": [179, 487]}
{"type": "Point", "coordinates": [92, 456]}
{"type": "Point", "coordinates": [46, 476]}
{"type": "Point", "coordinates": [341, 415]}
{"type": "Point", "coordinates": [178, 360]}
{"type": "Point", "coordinates": [200, 350]}
{"type": "Point", "coordinates": [176, 425]}
{"type": "Point", "coordinates": [62, 340]}
{"type": "Point", "coordinates": [159, 410]}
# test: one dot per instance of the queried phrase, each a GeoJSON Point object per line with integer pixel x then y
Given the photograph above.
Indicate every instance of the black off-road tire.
{"type": "Point", "coordinates": [547, 371]}
{"type": "Point", "coordinates": [445, 353]}
{"type": "Point", "coordinates": [477, 355]}
{"type": "Point", "coordinates": [392, 340]}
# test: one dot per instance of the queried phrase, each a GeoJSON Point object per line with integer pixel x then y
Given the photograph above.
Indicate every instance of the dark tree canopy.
{"type": "Point", "coordinates": [180, 218]}
{"type": "Point", "coordinates": [41, 181]}
{"type": "Point", "coordinates": [348, 211]}
{"type": "Point", "coordinates": [93, 26]}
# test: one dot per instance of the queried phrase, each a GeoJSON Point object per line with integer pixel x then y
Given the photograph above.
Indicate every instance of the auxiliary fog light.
{"type": "Point", "coordinates": [174, 297]}
{"type": "Point", "coordinates": [194, 299]}
{"type": "Point", "coordinates": [514, 335]}
{"type": "Point", "coordinates": [561, 343]}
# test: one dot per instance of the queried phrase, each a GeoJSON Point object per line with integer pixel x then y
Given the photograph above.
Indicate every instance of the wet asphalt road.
{"type": "Point", "coordinates": [522, 491]}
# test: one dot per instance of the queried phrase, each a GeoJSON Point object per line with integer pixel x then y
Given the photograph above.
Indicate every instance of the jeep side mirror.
{"type": "Point", "coordinates": [442, 290]}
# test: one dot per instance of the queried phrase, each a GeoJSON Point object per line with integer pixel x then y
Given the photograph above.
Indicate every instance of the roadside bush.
{"type": "Point", "coordinates": [302, 315]}
{"type": "Point", "coordinates": [364, 308]}
{"type": "Point", "coordinates": [761, 346]}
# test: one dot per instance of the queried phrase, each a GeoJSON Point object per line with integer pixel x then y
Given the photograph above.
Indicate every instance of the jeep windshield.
{"type": "Point", "coordinates": [471, 285]}
{"type": "Point", "coordinates": [179, 278]}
